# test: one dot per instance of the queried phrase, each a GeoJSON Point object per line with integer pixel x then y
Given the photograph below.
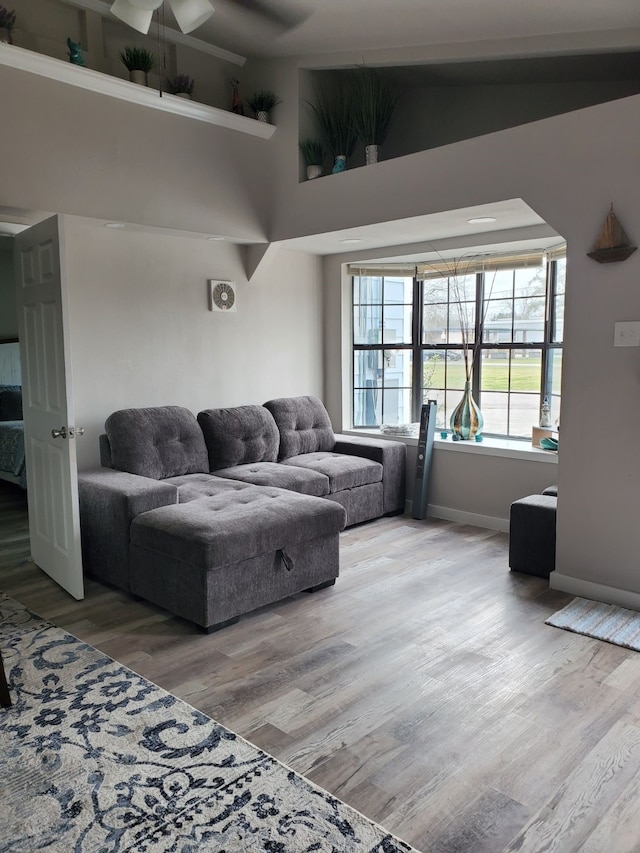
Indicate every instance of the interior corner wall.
{"type": "Point", "coordinates": [142, 333]}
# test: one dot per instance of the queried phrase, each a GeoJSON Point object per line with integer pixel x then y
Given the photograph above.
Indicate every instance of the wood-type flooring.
{"type": "Point", "coordinates": [423, 688]}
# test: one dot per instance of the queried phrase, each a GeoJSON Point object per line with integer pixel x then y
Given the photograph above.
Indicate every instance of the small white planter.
{"type": "Point", "coordinates": [371, 154]}
{"type": "Point", "coordinates": [313, 172]}
{"type": "Point", "coordinates": [139, 77]}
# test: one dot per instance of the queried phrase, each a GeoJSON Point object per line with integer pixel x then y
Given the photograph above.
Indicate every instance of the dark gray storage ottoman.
{"type": "Point", "coordinates": [532, 535]}
{"type": "Point", "coordinates": [212, 559]}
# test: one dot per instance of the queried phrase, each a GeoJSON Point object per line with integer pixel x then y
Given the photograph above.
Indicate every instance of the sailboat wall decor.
{"type": "Point", "coordinates": [612, 243]}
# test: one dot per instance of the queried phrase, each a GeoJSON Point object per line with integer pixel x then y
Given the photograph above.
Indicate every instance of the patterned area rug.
{"type": "Point", "coordinates": [96, 758]}
{"type": "Point", "coordinates": [600, 621]}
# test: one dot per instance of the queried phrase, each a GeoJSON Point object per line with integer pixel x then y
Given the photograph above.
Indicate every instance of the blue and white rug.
{"type": "Point", "coordinates": [601, 621]}
{"type": "Point", "coordinates": [96, 759]}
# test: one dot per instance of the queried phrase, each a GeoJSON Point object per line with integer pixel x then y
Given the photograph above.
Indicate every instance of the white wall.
{"type": "Point", "coordinates": [78, 152]}
{"type": "Point", "coordinates": [438, 115]}
{"type": "Point", "coordinates": [142, 333]}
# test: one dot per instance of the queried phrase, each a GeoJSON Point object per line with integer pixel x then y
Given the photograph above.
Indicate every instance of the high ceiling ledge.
{"type": "Point", "coordinates": [114, 87]}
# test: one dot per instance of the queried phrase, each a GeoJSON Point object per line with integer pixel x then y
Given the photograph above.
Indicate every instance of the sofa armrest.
{"type": "Point", "coordinates": [392, 455]}
{"type": "Point", "coordinates": [109, 501]}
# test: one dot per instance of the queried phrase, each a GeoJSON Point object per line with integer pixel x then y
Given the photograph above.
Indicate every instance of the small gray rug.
{"type": "Point", "coordinates": [601, 621]}
{"type": "Point", "coordinates": [96, 759]}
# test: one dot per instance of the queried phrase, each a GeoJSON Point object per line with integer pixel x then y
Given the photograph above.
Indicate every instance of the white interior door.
{"type": "Point", "coordinates": [50, 451]}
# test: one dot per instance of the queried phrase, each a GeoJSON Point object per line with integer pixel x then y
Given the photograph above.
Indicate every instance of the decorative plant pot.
{"type": "Point", "coordinates": [313, 172]}
{"type": "Point", "coordinates": [183, 95]}
{"type": "Point", "coordinates": [5, 35]}
{"type": "Point", "coordinates": [139, 77]}
{"type": "Point", "coordinates": [263, 115]}
{"type": "Point", "coordinates": [340, 165]}
{"type": "Point", "coordinates": [466, 419]}
{"type": "Point", "coordinates": [371, 154]}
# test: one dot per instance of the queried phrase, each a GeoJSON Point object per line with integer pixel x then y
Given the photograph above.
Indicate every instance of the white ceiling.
{"type": "Point", "coordinates": [328, 26]}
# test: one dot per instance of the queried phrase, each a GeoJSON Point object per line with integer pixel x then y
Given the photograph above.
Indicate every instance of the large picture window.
{"type": "Point", "coordinates": [409, 332]}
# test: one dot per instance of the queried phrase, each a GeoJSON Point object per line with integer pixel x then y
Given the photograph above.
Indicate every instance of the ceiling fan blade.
{"type": "Point", "coordinates": [190, 14]}
{"type": "Point", "coordinates": [285, 18]}
{"type": "Point", "coordinates": [147, 5]}
{"type": "Point", "coordinates": [139, 19]}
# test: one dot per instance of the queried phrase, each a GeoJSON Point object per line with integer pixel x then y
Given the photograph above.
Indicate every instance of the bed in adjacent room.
{"type": "Point", "coordinates": [12, 464]}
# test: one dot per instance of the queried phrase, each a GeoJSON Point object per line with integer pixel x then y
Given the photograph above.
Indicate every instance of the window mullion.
{"type": "Point", "coordinates": [478, 333]}
{"type": "Point", "coordinates": [546, 366]}
{"type": "Point", "coordinates": [416, 344]}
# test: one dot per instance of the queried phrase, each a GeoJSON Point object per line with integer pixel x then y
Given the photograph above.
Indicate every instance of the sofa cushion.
{"type": "Point", "coordinates": [220, 530]}
{"type": "Point", "coordinates": [280, 476]}
{"type": "Point", "coordinates": [344, 472]}
{"type": "Point", "coordinates": [11, 404]}
{"type": "Point", "coordinates": [303, 423]}
{"type": "Point", "coordinates": [239, 435]}
{"type": "Point", "coordinates": [193, 486]}
{"type": "Point", "coordinates": [159, 442]}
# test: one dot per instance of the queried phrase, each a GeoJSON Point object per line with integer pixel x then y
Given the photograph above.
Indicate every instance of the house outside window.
{"type": "Point", "coordinates": [408, 330]}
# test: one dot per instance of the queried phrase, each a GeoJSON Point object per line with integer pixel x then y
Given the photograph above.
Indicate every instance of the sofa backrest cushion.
{"type": "Point", "coordinates": [304, 425]}
{"type": "Point", "coordinates": [159, 442]}
{"type": "Point", "coordinates": [239, 436]}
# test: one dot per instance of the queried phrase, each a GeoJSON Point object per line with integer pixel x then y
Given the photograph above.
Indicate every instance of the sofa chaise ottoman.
{"type": "Point", "coordinates": [214, 558]}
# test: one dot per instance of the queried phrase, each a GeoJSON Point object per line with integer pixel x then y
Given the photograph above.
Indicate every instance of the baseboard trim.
{"type": "Point", "coordinates": [595, 591]}
{"type": "Point", "coordinates": [472, 518]}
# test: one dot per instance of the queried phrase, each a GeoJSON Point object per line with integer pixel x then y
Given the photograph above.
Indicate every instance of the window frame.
{"type": "Point", "coordinates": [418, 395]}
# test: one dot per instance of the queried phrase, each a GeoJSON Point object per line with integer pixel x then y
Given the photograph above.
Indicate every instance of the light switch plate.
{"type": "Point", "coordinates": [626, 335]}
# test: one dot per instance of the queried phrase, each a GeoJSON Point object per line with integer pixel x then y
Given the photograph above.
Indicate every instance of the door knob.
{"type": "Point", "coordinates": [75, 431]}
{"type": "Point", "coordinates": [59, 433]}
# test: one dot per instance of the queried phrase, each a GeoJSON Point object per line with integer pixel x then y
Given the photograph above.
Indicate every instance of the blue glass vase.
{"type": "Point", "coordinates": [466, 419]}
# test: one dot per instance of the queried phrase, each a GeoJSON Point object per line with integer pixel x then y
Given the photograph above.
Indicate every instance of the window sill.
{"type": "Point", "coordinates": [505, 447]}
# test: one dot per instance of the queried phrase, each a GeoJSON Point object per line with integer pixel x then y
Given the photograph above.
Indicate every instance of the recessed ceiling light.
{"type": "Point", "coordinates": [478, 220]}
{"type": "Point", "coordinates": [351, 240]}
{"type": "Point", "coordinates": [114, 225]}
{"type": "Point", "coordinates": [216, 237]}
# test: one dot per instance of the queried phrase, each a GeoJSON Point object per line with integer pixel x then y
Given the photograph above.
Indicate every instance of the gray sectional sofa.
{"type": "Point", "coordinates": [215, 516]}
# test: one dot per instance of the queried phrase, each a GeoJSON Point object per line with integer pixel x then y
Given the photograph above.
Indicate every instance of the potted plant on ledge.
{"type": "Point", "coordinates": [262, 103]}
{"type": "Point", "coordinates": [181, 85]}
{"type": "Point", "coordinates": [375, 99]}
{"type": "Point", "coordinates": [334, 118]}
{"type": "Point", "coordinates": [313, 154]}
{"type": "Point", "coordinates": [7, 23]}
{"type": "Point", "coordinates": [139, 62]}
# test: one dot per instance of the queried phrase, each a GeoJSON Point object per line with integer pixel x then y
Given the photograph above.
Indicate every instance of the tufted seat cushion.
{"type": "Point", "coordinates": [303, 480]}
{"type": "Point", "coordinates": [193, 486]}
{"type": "Point", "coordinates": [238, 436]}
{"type": "Point", "coordinates": [158, 442]}
{"type": "Point", "coordinates": [304, 425]}
{"type": "Point", "coordinates": [344, 472]}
